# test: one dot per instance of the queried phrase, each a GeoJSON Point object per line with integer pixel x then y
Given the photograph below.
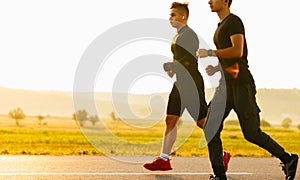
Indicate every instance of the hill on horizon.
{"type": "Point", "coordinates": [275, 104]}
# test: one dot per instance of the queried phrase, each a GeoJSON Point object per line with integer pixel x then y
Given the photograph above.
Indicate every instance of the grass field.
{"type": "Point", "coordinates": [62, 136]}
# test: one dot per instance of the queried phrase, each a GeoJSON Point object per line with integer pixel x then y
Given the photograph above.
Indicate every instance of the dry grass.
{"type": "Point", "coordinates": [62, 136]}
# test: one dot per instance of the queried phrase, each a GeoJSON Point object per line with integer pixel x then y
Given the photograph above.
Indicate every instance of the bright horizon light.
{"type": "Point", "coordinates": [42, 41]}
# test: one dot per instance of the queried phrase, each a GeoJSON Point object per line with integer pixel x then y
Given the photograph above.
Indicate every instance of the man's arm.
{"type": "Point", "coordinates": [236, 51]}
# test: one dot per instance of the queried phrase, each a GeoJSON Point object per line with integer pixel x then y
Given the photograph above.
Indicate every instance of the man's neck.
{"type": "Point", "coordinates": [180, 27]}
{"type": "Point", "coordinates": [223, 14]}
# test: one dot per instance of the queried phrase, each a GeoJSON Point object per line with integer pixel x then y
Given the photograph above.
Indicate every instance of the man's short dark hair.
{"type": "Point", "coordinates": [181, 7]}
{"type": "Point", "coordinates": [229, 3]}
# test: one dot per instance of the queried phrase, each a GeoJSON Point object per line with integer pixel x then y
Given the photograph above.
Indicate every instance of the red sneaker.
{"type": "Point", "coordinates": [158, 164]}
{"type": "Point", "coordinates": [226, 158]}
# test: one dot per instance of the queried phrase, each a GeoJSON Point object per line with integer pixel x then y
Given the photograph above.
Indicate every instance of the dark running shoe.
{"type": "Point", "coordinates": [290, 168]}
{"type": "Point", "coordinates": [158, 164]}
{"type": "Point", "coordinates": [212, 177]}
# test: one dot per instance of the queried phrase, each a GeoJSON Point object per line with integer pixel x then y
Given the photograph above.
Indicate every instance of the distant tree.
{"type": "Point", "coordinates": [298, 126]}
{"type": "Point", "coordinates": [17, 114]}
{"type": "Point", "coordinates": [74, 116]}
{"type": "Point", "coordinates": [40, 119]}
{"type": "Point", "coordinates": [264, 123]}
{"type": "Point", "coordinates": [94, 119]}
{"type": "Point", "coordinates": [81, 116]}
{"type": "Point", "coordinates": [286, 123]}
{"type": "Point", "coordinates": [113, 116]}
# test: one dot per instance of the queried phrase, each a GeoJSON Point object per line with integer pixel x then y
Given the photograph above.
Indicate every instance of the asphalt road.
{"type": "Point", "coordinates": [123, 168]}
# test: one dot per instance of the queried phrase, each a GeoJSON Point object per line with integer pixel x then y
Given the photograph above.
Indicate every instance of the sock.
{"type": "Point", "coordinates": [164, 156]}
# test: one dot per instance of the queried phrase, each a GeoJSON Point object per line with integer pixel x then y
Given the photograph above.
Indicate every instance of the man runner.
{"type": "Point", "coordinates": [188, 90]}
{"type": "Point", "coordinates": [232, 53]}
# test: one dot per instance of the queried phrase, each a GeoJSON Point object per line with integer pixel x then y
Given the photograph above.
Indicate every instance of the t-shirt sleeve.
{"type": "Point", "coordinates": [189, 41]}
{"type": "Point", "coordinates": [236, 26]}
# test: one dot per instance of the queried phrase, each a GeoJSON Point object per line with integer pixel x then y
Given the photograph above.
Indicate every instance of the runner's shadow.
{"type": "Point", "coordinates": [167, 177]}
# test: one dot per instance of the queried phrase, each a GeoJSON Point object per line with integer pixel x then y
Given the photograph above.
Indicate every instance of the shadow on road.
{"type": "Point", "coordinates": [167, 177]}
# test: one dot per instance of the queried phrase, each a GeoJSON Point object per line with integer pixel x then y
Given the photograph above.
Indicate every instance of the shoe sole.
{"type": "Point", "coordinates": [160, 169]}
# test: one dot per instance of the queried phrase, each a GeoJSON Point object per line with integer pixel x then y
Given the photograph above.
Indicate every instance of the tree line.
{"type": "Point", "coordinates": [82, 116]}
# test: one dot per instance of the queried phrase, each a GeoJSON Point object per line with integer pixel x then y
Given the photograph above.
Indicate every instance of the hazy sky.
{"type": "Point", "coordinates": [41, 42]}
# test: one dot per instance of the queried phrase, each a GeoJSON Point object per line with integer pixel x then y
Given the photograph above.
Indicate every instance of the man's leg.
{"type": "Point", "coordinates": [226, 155]}
{"type": "Point", "coordinates": [248, 114]}
{"type": "Point", "coordinates": [163, 161]}
{"type": "Point", "coordinates": [215, 144]}
{"type": "Point", "coordinates": [216, 155]}
{"type": "Point", "coordinates": [219, 159]}
{"type": "Point", "coordinates": [201, 122]}
{"type": "Point", "coordinates": [174, 110]}
{"type": "Point", "coordinates": [170, 133]}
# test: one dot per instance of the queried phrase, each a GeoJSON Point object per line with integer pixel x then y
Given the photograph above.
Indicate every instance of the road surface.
{"type": "Point", "coordinates": [122, 168]}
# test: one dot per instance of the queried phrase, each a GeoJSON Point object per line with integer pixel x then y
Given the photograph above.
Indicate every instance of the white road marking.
{"type": "Point", "coordinates": [112, 173]}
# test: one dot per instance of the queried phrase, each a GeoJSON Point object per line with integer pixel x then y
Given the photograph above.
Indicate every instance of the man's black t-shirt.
{"type": "Point", "coordinates": [183, 95]}
{"type": "Point", "coordinates": [184, 46]}
{"type": "Point", "coordinates": [232, 25]}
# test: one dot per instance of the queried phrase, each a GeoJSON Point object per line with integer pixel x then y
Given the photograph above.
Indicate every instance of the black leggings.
{"type": "Point", "coordinates": [240, 98]}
